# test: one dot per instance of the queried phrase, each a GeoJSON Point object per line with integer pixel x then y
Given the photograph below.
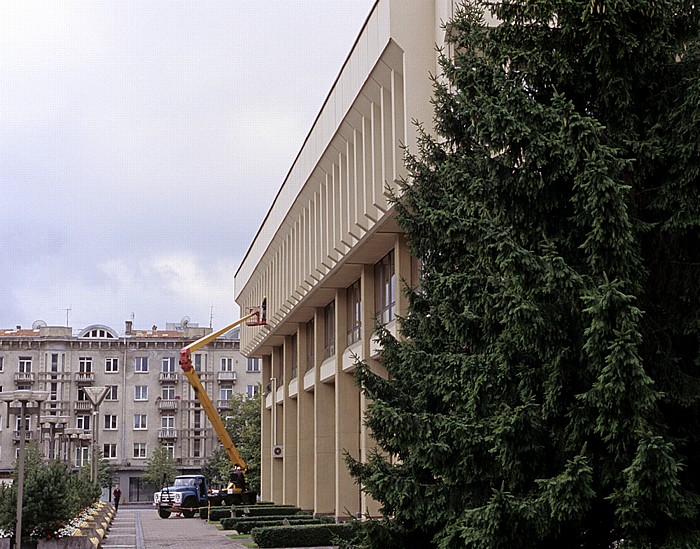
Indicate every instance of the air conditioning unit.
{"type": "Point", "coordinates": [278, 451]}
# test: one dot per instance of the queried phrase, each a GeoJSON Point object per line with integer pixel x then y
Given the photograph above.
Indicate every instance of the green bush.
{"type": "Point", "coordinates": [218, 513]}
{"type": "Point", "coordinates": [266, 510]}
{"type": "Point", "coordinates": [302, 535]}
{"type": "Point", "coordinates": [247, 527]}
{"type": "Point", "coordinates": [234, 523]}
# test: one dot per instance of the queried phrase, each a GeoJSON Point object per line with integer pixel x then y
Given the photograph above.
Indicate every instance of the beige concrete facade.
{"type": "Point", "coordinates": [150, 400]}
{"type": "Point", "coordinates": [331, 259]}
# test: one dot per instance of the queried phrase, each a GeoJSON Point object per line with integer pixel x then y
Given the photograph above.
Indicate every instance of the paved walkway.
{"type": "Point", "coordinates": [142, 528]}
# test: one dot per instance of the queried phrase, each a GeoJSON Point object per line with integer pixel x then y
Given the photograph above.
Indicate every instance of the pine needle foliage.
{"type": "Point", "coordinates": [544, 390]}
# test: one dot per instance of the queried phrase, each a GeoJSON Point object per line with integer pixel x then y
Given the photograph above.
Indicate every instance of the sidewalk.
{"type": "Point", "coordinates": [136, 527]}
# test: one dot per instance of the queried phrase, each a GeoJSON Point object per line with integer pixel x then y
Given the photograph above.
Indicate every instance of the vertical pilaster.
{"type": "Point", "coordinates": [347, 419]}
{"type": "Point", "coordinates": [289, 438]}
{"type": "Point", "coordinates": [266, 430]}
{"type": "Point", "coordinates": [305, 429]}
{"type": "Point", "coordinates": [324, 417]}
{"type": "Point", "coordinates": [277, 427]}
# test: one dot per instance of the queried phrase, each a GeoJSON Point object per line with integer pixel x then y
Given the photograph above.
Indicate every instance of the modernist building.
{"type": "Point", "coordinates": [330, 259]}
{"type": "Point", "coordinates": [149, 402]}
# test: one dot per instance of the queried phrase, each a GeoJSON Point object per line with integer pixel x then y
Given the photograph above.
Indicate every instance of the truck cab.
{"type": "Point", "coordinates": [187, 495]}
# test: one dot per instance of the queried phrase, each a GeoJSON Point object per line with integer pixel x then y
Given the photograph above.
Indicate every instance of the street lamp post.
{"type": "Point", "coordinates": [55, 425]}
{"type": "Point", "coordinates": [22, 402]}
{"type": "Point", "coordinates": [96, 396]}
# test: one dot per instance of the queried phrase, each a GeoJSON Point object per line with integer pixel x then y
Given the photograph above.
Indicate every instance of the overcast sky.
{"type": "Point", "coordinates": [142, 143]}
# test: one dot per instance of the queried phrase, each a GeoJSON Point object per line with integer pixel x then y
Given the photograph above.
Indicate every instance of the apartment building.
{"type": "Point", "coordinates": [149, 400]}
{"type": "Point", "coordinates": [331, 259]}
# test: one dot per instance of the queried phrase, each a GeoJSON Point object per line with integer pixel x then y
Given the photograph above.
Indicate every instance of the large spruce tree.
{"type": "Point", "coordinates": [544, 390]}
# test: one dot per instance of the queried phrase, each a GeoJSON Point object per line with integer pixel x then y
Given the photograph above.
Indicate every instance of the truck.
{"type": "Point", "coordinates": [190, 492]}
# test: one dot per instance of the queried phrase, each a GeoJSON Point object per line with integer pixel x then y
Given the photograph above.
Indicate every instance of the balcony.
{"type": "Point", "coordinates": [223, 404]}
{"type": "Point", "coordinates": [24, 377]}
{"type": "Point", "coordinates": [167, 433]}
{"type": "Point", "coordinates": [227, 377]}
{"type": "Point", "coordinates": [172, 377]}
{"type": "Point", "coordinates": [85, 377]}
{"type": "Point", "coordinates": [28, 435]}
{"type": "Point", "coordinates": [168, 404]}
{"type": "Point", "coordinates": [81, 405]}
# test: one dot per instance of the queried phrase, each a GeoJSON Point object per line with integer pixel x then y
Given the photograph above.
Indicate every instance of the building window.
{"type": "Point", "coordinates": [196, 447]}
{"type": "Point", "coordinates": [109, 451]}
{"type": "Point", "coordinates": [82, 395]}
{"type": "Point", "coordinates": [385, 279]}
{"type": "Point", "coordinates": [111, 365]}
{"type": "Point", "coordinates": [253, 365]}
{"type": "Point", "coordinates": [141, 392]}
{"type": "Point", "coordinates": [110, 422]}
{"type": "Point", "coordinates": [82, 421]}
{"type": "Point", "coordinates": [226, 392]}
{"type": "Point", "coordinates": [141, 365]}
{"type": "Point", "coordinates": [293, 352]}
{"type": "Point", "coordinates": [85, 364]}
{"type": "Point", "coordinates": [82, 456]}
{"type": "Point", "coordinates": [27, 423]}
{"type": "Point", "coordinates": [25, 365]}
{"type": "Point", "coordinates": [2, 363]}
{"type": "Point", "coordinates": [168, 392]}
{"type": "Point", "coordinates": [310, 344]}
{"type": "Point", "coordinates": [226, 364]}
{"type": "Point", "coordinates": [139, 450]}
{"type": "Point", "coordinates": [169, 364]}
{"type": "Point", "coordinates": [112, 392]}
{"type": "Point", "coordinates": [252, 390]}
{"type": "Point", "coordinates": [329, 330]}
{"type": "Point", "coordinates": [167, 422]}
{"type": "Point", "coordinates": [140, 422]}
{"type": "Point", "coordinates": [198, 362]}
{"type": "Point", "coordinates": [54, 363]}
{"type": "Point", "coordinates": [197, 420]}
{"type": "Point", "coordinates": [170, 449]}
{"type": "Point", "coordinates": [354, 309]}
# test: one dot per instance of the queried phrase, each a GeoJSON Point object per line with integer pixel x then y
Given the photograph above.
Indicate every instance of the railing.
{"type": "Point", "coordinates": [84, 377]}
{"type": "Point", "coordinates": [24, 377]}
{"type": "Point", "coordinates": [169, 376]}
{"type": "Point", "coordinates": [168, 404]}
{"type": "Point", "coordinates": [28, 435]}
{"type": "Point", "coordinates": [83, 405]}
{"type": "Point", "coordinates": [226, 376]}
{"type": "Point", "coordinates": [223, 404]}
{"type": "Point", "coordinates": [167, 433]}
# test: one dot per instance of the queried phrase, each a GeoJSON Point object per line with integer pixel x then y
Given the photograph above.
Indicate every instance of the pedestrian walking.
{"type": "Point", "coordinates": [117, 495]}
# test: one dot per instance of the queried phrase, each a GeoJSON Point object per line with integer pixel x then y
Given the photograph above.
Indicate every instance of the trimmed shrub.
{"type": "Point", "coordinates": [302, 535]}
{"type": "Point", "coordinates": [266, 510]}
{"type": "Point", "coordinates": [230, 523]}
{"type": "Point", "coordinates": [247, 527]}
{"type": "Point", "coordinates": [218, 513]}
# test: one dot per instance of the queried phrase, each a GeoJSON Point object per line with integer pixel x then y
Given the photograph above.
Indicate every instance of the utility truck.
{"type": "Point", "coordinates": [190, 492]}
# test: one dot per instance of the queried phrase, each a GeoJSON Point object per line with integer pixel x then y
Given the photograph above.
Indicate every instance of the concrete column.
{"type": "Point", "coordinates": [266, 430]}
{"type": "Point", "coordinates": [305, 430]}
{"type": "Point", "coordinates": [347, 419]}
{"type": "Point", "coordinates": [277, 432]}
{"type": "Point", "coordinates": [289, 427]}
{"type": "Point", "coordinates": [324, 419]}
{"type": "Point", "coordinates": [369, 506]}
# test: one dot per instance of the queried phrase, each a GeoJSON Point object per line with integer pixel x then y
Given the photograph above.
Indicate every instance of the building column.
{"type": "Point", "coordinates": [347, 419]}
{"type": "Point", "coordinates": [305, 429]}
{"type": "Point", "coordinates": [266, 429]}
{"type": "Point", "coordinates": [289, 426]}
{"type": "Point", "coordinates": [324, 427]}
{"type": "Point", "coordinates": [277, 433]}
{"type": "Point", "coordinates": [370, 507]}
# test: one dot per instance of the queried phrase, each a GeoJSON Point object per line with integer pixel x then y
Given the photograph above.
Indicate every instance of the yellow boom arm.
{"type": "Point", "coordinates": [203, 397]}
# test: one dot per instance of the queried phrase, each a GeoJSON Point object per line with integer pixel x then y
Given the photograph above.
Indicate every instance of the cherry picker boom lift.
{"type": "Point", "coordinates": [237, 490]}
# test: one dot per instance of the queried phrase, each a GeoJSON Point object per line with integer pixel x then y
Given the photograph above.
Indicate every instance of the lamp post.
{"type": "Point", "coordinates": [96, 396]}
{"type": "Point", "coordinates": [55, 425]}
{"type": "Point", "coordinates": [22, 402]}
{"type": "Point", "coordinates": [71, 434]}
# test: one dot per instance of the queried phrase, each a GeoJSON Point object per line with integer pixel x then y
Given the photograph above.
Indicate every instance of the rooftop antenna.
{"type": "Point", "coordinates": [211, 316]}
{"type": "Point", "coordinates": [68, 310]}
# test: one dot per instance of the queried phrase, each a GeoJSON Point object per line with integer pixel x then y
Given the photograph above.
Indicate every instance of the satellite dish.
{"type": "Point", "coordinates": [185, 322]}
{"type": "Point", "coordinates": [39, 324]}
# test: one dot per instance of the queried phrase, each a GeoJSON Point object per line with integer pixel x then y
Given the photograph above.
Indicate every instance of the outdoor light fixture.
{"type": "Point", "coordinates": [21, 403]}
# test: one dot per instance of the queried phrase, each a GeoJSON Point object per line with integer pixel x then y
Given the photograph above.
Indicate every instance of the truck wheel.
{"type": "Point", "coordinates": [189, 502]}
{"type": "Point", "coordinates": [162, 513]}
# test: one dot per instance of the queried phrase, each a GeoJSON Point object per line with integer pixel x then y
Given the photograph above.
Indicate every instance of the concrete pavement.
{"type": "Point", "coordinates": [141, 528]}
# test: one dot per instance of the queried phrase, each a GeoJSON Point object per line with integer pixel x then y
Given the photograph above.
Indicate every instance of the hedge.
{"type": "Point", "coordinates": [229, 523]}
{"type": "Point", "coordinates": [302, 535]}
{"type": "Point", "coordinates": [266, 510]}
{"type": "Point", "coordinates": [247, 527]}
